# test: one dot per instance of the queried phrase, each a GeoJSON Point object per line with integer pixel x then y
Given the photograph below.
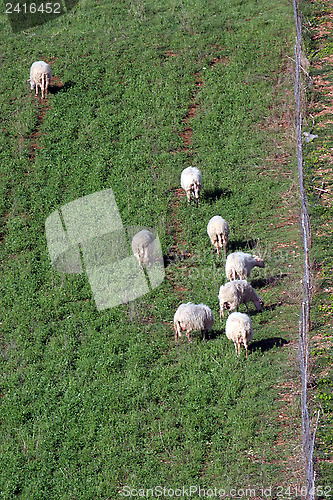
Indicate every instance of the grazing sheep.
{"type": "Point", "coordinates": [143, 246]}
{"type": "Point", "coordinates": [218, 232]}
{"type": "Point", "coordinates": [191, 317]}
{"type": "Point", "coordinates": [237, 292]}
{"type": "Point", "coordinates": [40, 75]}
{"type": "Point", "coordinates": [191, 182]}
{"type": "Point", "coordinates": [239, 265]}
{"type": "Point", "coordinates": [238, 328]}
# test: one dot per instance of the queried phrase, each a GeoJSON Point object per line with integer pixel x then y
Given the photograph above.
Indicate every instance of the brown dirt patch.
{"type": "Point", "coordinates": [186, 135]}
{"type": "Point", "coordinates": [56, 84]}
{"type": "Point", "coordinates": [176, 226]}
{"type": "Point", "coordinates": [170, 53]}
{"type": "Point", "coordinates": [44, 106]}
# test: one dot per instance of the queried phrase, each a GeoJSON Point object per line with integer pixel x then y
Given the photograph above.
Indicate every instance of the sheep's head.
{"type": "Point", "coordinates": [259, 261]}
{"type": "Point", "coordinates": [259, 304]}
{"type": "Point", "coordinates": [32, 84]}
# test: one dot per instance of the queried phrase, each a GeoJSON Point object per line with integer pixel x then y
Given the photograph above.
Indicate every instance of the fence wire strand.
{"type": "Point", "coordinates": [304, 321]}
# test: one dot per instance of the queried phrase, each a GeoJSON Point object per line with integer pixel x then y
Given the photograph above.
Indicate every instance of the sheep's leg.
{"type": "Point", "coordinates": [214, 242]}
{"type": "Point", "coordinates": [47, 86]}
{"type": "Point", "coordinates": [188, 334]}
{"type": "Point", "coordinates": [222, 243]}
{"type": "Point", "coordinates": [239, 348]}
{"type": "Point", "coordinates": [195, 196]}
{"type": "Point", "coordinates": [221, 312]}
{"type": "Point", "coordinates": [246, 349]}
{"type": "Point", "coordinates": [177, 333]}
{"type": "Point", "coordinates": [235, 344]}
{"type": "Point", "coordinates": [139, 259]}
{"type": "Point", "coordinates": [247, 307]}
{"type": "Point", "coordinates": [145, 256]}
{"type": "Point", "coordinates": [43, 85]}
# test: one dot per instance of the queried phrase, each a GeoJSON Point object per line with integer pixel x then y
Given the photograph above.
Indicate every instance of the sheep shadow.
{"type": "Point", "coordinates": [237, 245]}
{"type": "Point", "coordinates": [172, 258]}
{"type": "Point", "coordinates": [219, 261]}
{"type": "Point", "coordinates": [59, 87]}
{"type": "Point", "coordinates": [267, 344]}
{"type": "Point", "coordinates": [272, 307]}
{"type": "Point", "coordinates": [198, 337]}
{"type": "Point", "coordinates": [252, 311]}
{"type": "Point", "coordinates": [215, 194]}
{"type": "Point", "coordinates": [211, 335]}
{"type": "Point", "coordinates": [263, 282]}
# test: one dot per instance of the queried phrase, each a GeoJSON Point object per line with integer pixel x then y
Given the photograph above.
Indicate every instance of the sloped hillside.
{"type": "Point", "coordinates": [101, 404]}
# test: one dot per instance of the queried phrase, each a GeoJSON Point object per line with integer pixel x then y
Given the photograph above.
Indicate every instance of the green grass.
{"type": "Point", "coordinates": [94, 401]}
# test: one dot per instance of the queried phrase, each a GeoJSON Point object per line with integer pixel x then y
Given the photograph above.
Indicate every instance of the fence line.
{"type": "Point", "coordinates": [304, 321]}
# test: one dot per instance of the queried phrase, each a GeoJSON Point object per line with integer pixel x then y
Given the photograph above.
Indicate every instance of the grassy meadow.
{"type": "Point", "coordinates": [95, 401]}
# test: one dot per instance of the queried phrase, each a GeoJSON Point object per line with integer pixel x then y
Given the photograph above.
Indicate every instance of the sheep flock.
{"type": "Point", "coordinates": [189, 316]}
{"type": "Point", "coordinates": [237, 291]}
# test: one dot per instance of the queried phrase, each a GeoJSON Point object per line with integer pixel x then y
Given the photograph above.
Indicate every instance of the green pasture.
{"type": "Point", "coordinates": [93, 401]}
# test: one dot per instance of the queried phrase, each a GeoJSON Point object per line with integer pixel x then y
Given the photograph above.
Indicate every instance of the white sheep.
{"type": "Point", "coordinates": [191, 182]}
{"type": "Point", "coordinates": [218, 232]}
{"type": "Point", "coordinates": [239, 265]}
{"type": "Point", "coordinates": [143, 247]}
{"type": "Point", "coordinates": [237, 292]}
{"type": "Point", "coordinates": [238, 328]}
{"type": "Point", "coordinates": [191, 317]}
{"type": "Point", "coordinates": [40, 76]}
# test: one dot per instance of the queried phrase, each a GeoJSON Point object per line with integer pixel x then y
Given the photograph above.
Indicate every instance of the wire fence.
{"type": "Point", "coordinates": [304, 321]}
